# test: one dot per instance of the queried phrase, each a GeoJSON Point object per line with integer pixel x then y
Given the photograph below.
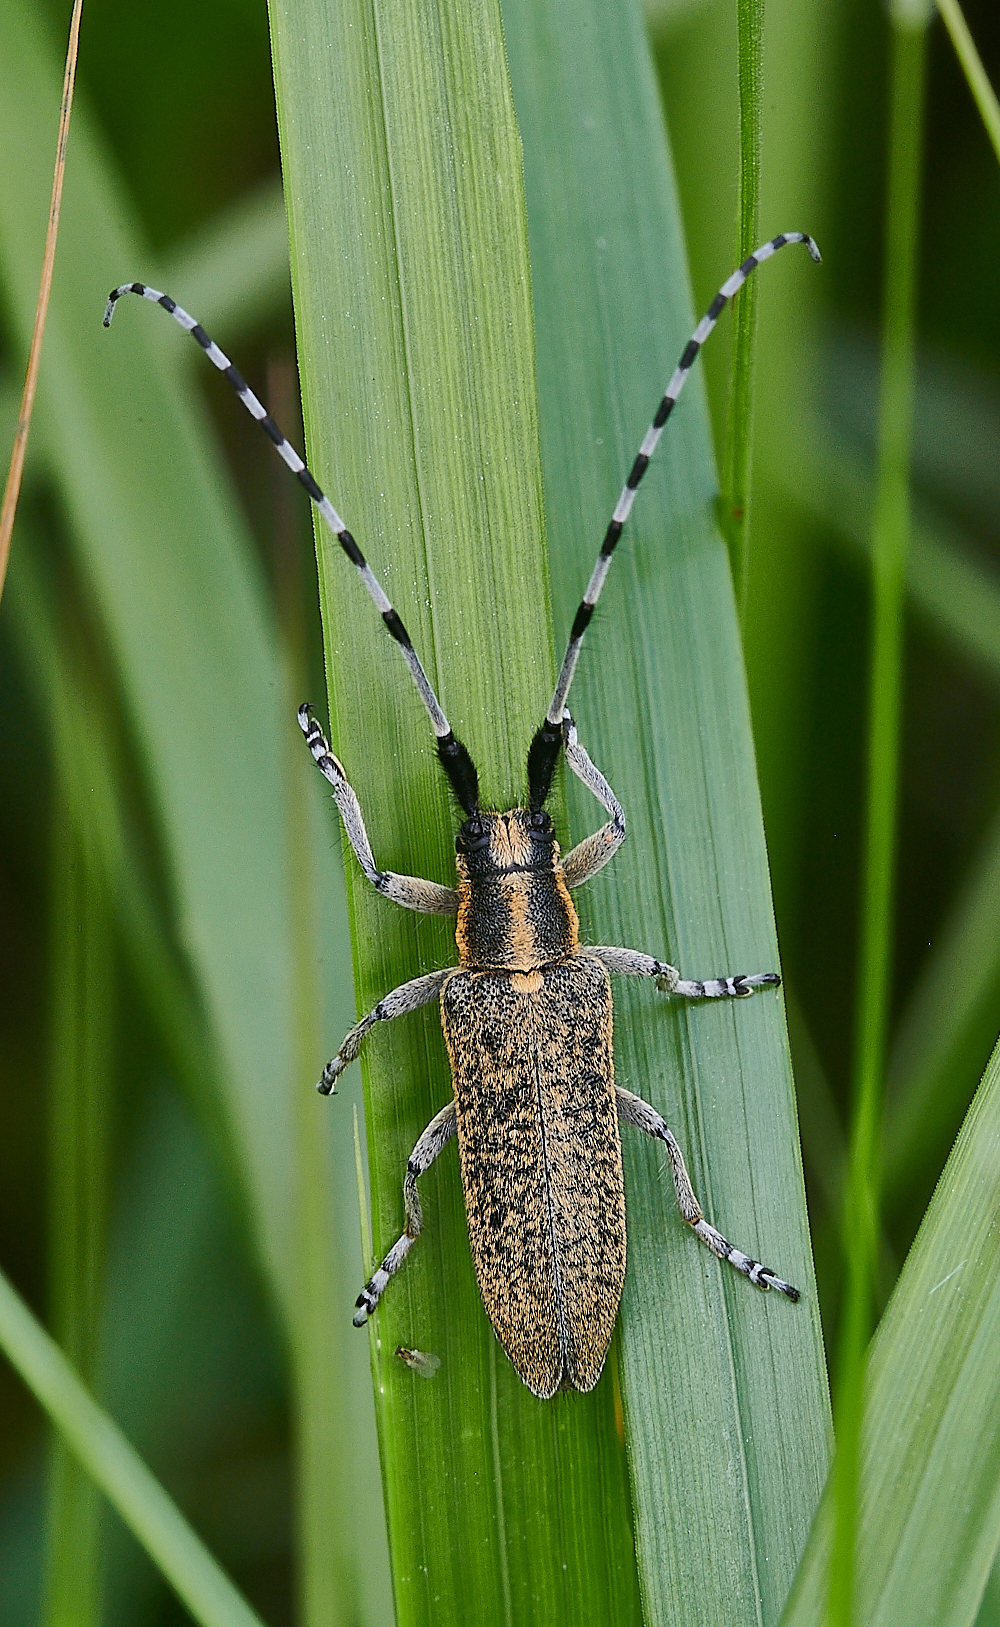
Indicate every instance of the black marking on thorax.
{"type": "Point", "coordinates": [514, 912]}
{"type": "Point", "coordinates": [518, 920]}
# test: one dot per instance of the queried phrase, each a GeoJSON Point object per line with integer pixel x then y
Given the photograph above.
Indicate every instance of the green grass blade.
{"type": "Point", "coordinates": [724, 1390]}
{"type": "Point", "coordinates": [736, 468]}
{"type": "Point", "coordinates": [338, 1562]}
{"type": "Point", "coordinates": [333, 1422]}
{"type": "Point", "coordinates": [172, 572]}
{"type": "Point", "coordinates": [890, 544]}
{"type": "Point", "coordinates": [374, 340]}
{"type": "Point", "coordinates": [946, 1028]}
{"type": "Point", "coordinates": [62, 683]}
{"type": "Point", "coordinates": [415, 344]}
{"type": "Point", "coordinates": [983, 93]}
{"type": "Point", "coordinates": [121, 1474]}
{"type": "Point", "coordinates": [799, 183]}
{"type": "Point", "coordinates": [235, 270]}
{"type": "Point", "coordinates": [943, 1032]}
{"type": "Point", "coordinates": [989, 1609]}
{"type": "Point", "coordinates": [930, 1469]}
{"type": "Point", "coordinates": [946, 585]}
{"type": "Point", "coordinates": [163, 550]}
{"type": "Point", "coordinates": [81, 1106]}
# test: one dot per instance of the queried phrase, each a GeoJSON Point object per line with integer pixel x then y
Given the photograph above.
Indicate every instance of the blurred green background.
{"type": "Point", "coordinates": [191, 1352]}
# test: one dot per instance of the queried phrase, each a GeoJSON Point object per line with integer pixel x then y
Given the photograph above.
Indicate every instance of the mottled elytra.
{"type": "Point", "coordinates": [527, 1012]}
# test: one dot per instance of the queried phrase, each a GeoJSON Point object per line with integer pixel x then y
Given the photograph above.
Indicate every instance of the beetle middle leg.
{"type": "Point", "coordinates": [437, 1135]}
{"type": "Point", "coordinates": [420, 991]}
{"type": "Point", "coordinates": [633, 963]}
{"type": "Point", "coordinates": [635, 1111]}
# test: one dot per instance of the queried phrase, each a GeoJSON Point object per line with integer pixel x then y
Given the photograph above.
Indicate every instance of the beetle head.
{"type": "Point", "coordinates": [490, 844]}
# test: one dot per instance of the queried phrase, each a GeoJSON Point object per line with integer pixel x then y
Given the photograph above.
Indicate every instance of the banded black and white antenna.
{"type": "Point", "coordinates": [545, 746]}
{"type": "Point", "coordinates": [457, 763]}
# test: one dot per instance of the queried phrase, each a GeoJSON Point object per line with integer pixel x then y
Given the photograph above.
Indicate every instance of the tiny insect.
{"type": "Point", "coordinates": [526, 1013]}
{"type": "Point", "coordinates": [423, 1362]}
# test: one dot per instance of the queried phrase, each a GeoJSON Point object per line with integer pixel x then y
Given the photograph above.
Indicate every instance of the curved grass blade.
{"type": "Point", "coordinates": [61, 685]}
{"type": "Point", "coordinates": [186, 617]}
{"type": "Point", "coordinates": [983, 93]}
{"type": "Point", "coordinates": [929, 1514]}
{"type": "Point", "coordinates": [103, 1450]}
{"type": "Point", "coordinates": [235, 270]}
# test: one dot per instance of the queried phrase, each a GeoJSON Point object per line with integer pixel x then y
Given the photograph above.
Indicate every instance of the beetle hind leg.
{"type": "Point", "coordinates": [437, 1135]}
{"type": "Point", "coordinates": [758, 1274]}
{"type": "Point", "coordinates": [735, 987]}
{"type": "Point", "coordinates": [635, 1111]}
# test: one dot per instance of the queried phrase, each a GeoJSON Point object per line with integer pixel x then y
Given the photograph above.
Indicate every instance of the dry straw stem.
{"type": "Point", "coordinates": [13, 486]}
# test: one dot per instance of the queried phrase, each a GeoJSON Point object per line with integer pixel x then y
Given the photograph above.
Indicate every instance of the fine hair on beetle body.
{"type": "Point", "coordinates": [527, 1010]}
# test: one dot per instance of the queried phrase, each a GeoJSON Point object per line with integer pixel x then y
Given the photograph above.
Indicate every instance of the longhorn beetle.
{"type": "Point", "coordinates": [527, 1012]}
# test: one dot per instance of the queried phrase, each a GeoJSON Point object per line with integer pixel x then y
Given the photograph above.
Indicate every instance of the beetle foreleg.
{"type": "Point", "coordinates": [635, 1111]}
{"type": "Point", "coordinates": [408, 997]}
{"type": "Point", "coordinates": [411, 892]}
{"type": "Point", "coordinates": [437, 1135]}
{"type": "Point", "coordinates": [633, 963]}
{"type": "Point", "coordinates": [593, 853]}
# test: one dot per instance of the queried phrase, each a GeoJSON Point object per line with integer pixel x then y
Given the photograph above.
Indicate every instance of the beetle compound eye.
{"type": "Point", "coordinates": [540, 826]}
{"type": "Point", "coordinates": [472, 837]}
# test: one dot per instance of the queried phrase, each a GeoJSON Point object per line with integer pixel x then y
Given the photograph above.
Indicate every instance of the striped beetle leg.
{"type": "Point", "coordinates": [633, 963]}
{"type": "Point", "coordinates": [436, 1136]}
{"type": "Point", "coordinates": [410, 892]}
{"type": "Point", "coordinates": [420, 991]}
{"type": "Point", "coordinates": [635, 1111]}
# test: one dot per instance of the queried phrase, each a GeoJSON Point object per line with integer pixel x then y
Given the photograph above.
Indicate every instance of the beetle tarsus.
{"type": "Point", "coordinates": [331, 1073]}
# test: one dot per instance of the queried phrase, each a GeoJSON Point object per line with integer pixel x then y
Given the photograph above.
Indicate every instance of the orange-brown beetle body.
{"type": "Point", "coordinates": [527, 1021]}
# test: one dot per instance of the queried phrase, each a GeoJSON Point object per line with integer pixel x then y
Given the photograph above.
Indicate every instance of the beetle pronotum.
{"type": "Point", "coordinates": [527, 1011]}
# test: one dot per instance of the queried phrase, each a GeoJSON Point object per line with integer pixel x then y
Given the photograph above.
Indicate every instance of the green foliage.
{"type": "Point", "coordinates": [530, 1520]}
{"type": "Point", "coordinates": [663, 711]}
{"type": "Point", "coordinates": [890, 546]}
{"type": "Point", "coordinates": [112, 1465]}
{"type": "Point", "coordinates": [160, 641]}
{"type": "Point", "coordinates": [929, 1510]}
